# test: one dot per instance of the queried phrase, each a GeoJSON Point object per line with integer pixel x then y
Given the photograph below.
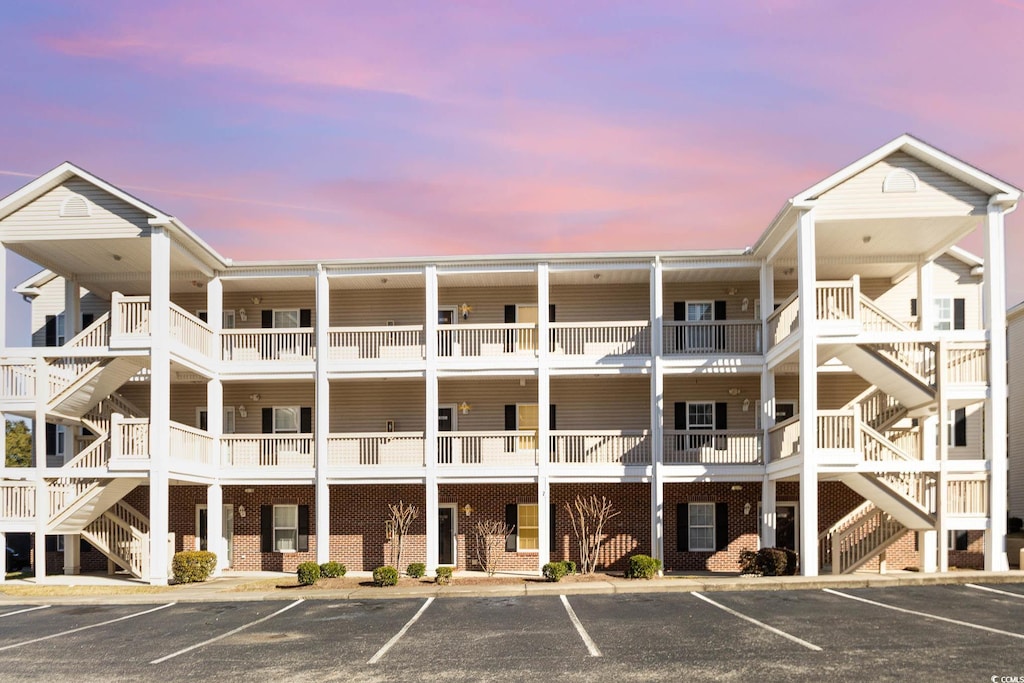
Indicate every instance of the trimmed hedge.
{"type": "Point", "coordinates": [416, 570]}
{"type": "Point", "coordinates": [554, 571]}
{"type": "Point", "coordinates": [308, 573]}
{"type": "Point", "coordinates": [385, 576]}
{"type": "Point", "coordinates": [570, 567]}
{"type": "Point", "coordinates": [443, 575]}
{"type": "Point", "coordinates": [332, 570]}
{"type": "Point", "coordinates": [193, 566]}
{"type": "Point", "coordinates": [768, 562]}
{"type": "Point", "coordinates": [642, 567]}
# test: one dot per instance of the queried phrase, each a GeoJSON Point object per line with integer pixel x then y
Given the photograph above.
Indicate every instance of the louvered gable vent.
{"type": "Point", "coordinates": [900, 180]}
{"type": "Point", "coordinates": [74, 206]}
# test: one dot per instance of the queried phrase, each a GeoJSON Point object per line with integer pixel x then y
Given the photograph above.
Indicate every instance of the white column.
{"type": "Point", "coordinates": [323, 417]}
{"type": "Point", "coordinates": [159, 404]}
{"type": "Point", "coordinates": [543, 417]}
{"type": "Point", "coordinates": [3, 299]}
{"type": "Point", "coordinates": [926, 549]}
{"type": "Point", "coordinates": [39, 460]}
{"type": "Point", "coordinates": [72, 309]}
{"type": "Point", "coordinates": [994, 288]}
{"type": "Point", "coordinates": [926, 296]}
{"type": "Point", "coordinates": [657, 430]}
{"type": "Point", "coordinates": [808, 370]}
{"type": "Point", "coordinates": [3, 542]}
{"type": "Point", "coordinates": [430, 430]}
{"type": "Point", "coordinates": [767, 376]}
{"type": "Point", "coordinates": [72, 554]}
{"type": "Point", "coordinates": [927, 541]}
{"type": "Point", "coordinates": [215, 526]}
{"type": "Point", "coordinates": [942, 545]}
{"type": "Point", "coordinates": [768, 516]}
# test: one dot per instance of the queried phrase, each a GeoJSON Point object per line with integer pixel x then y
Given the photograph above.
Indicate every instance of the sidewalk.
{"type": "Point", "coordinates": [231, 587]}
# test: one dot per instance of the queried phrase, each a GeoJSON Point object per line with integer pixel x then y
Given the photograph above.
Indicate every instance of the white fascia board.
{"type": "Point", "coordinates": [30, 287]}
{"type": "Point", "coordinates": [1015, 312]}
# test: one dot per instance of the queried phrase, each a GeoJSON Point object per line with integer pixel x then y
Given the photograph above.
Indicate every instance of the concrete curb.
{"type": "Point", "coordinates": [225, 590]}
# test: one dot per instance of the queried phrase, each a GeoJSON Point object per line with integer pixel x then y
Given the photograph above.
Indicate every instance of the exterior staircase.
{"type": "Point", "coordinates": [857, 538]}
{"type": "Point", "coordinates": [121, 533]}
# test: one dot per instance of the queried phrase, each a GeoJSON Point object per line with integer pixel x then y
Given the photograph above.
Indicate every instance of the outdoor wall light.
{"type": "Point", "coordinates": [242, 411]}
{"type": "Point", "coordinates": [242, 315]}
{"type": "Point", "coordinates": [464, 408]}
{"type": "Point", "coordinates": [465, 310]}
{"type": "Point", "coordinates": [746, 404]}
{"type": "Point", "coordinates": [241, 511]}
{"type": "Point", "coordinates": [256, 300]}
{"type": "Point", "coordinates": [735, 487]}
{"type": "Point", "coordinates": [746, 303]}
{"type": "Point", "coordinates": [467, 509]}
{"type": "Point", "coordinates": [746, 508]}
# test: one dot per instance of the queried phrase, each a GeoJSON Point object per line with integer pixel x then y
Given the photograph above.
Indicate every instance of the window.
{"type": "Point", "coordinates": [944, 313]}
{"type": "Point", "coordinates": [286, 318]}
{"type": "Point", "coordinates": [957, 539]}
{"type": "Point", "coordinates": [528, 528]}
{"type": "Point", "coordinates": [701, 526]}
{"type": "Point", "coordinates": [286, 528]}
{"type": "Point", "coordinates": [228, 425]}
{"type": "Point", "coordinates": [699, 416]}
{"type": "Point", "coordinates": [227, 318]}
{"type": "Point", "coordinates": [957, 435]}
{"type": "Point", "coordinates": [528, 422]}
{"type": "Point", "coordinates": [950, 313]}
{"type": "Point", "coordinates": [286, 420]}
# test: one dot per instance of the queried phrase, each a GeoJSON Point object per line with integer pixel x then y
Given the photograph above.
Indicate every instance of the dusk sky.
{"type": "Point", "coordinates": [334, 129]}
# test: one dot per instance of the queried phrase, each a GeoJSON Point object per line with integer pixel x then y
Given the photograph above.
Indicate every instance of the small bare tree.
{"type": "Point", "coordinates": [490, 542]}
{"type": "Point", "coordinates": [589, 517]}
{"type": "Point", "coordinates": [396, 528]}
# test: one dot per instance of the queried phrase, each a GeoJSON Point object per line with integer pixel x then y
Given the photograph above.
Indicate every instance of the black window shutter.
{"type": "Point", "coordinates": [682, 527]}
{"type": "Point", "coordinates": [51, 330]}
{"type": "Point", "coordinates": [305, 317]}
{"type": "Point", "coordinates": [679, 314]}
{"type": "Point", "coordinates": [679, 310]}
{"type": "Point", "coordinates": [510, 313]}
{"type": "Point", "coordinates": [511, 520]}
{"type": "Point", "coordinates": [267, 528]}
{"type": "Point", "coordinates": [510, 335]}
{"type": "Point", "coordinates": [719, 310]}
{"type": "Point", "coordinates": [721, 526]}
{"type": "Point", "coordinates": [204, 420]}
{"type": "Point", "coordinates": [551, 313]}
{"type": "Point", "coordinates": [511, 422]}
{"type": "Point", "coordinates": [268, 420]}
{"type": "Point", "coordinates": [305, 420]}
{"type": "Point", "coordinates": [51, 439]}
{"type": "Point", "coordinates": [552, 423]}
{"type": "Point", "coordinates": [88, 319]}
{"type": "Point", "coordinates": [913, 307]}
{"type": "Point", "coordinates": [552, 545]}
{"type": "Point", "coordinates": [960, 427]}
{"type": "Point", "coordinates": [959, 316]}
{"type": "Point", "coordinates": [267, 318]}
{"type": "Point", "coordinates": [721, 422]}
{"type": "Point", "coordinates": [203, 316]}
{"type": "Point", "coordinates": [303, 529]}
{"type": "Point", "coordinates": [203, 540]}
{"type": "Point", "coordinates": [680, 416]}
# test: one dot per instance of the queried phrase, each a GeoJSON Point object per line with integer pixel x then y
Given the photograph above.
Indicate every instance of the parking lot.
{"type": "Point", "coordinates": [961, 632]}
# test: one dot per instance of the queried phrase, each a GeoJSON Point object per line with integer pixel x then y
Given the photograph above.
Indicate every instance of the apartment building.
{"type": "Point", "coordinates": [836, 388]}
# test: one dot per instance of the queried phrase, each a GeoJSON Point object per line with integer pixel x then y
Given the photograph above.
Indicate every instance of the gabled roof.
{"type": "Point", "coordinates": [30, 287]}
{"type": "Point", "coordinates": [67, 170]}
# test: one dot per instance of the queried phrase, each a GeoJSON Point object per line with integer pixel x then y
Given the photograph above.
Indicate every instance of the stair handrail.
{"type": "Point", "coordinates": [913, 492]}
{"type": "Point", "coordinates": [919, 362]}
{"type": "Point", "coordinates": [98, 331]}
{"type": "Point", "coordinates": [825, 537]}
{"type": "Point", "coordinates": [872, 540]}
{"type": "Point", "coordinates": [85, 456]}
{"type": "Point", "coordinates": [868, 304]}
{"type": "Point", "coordinates": [883, 441]}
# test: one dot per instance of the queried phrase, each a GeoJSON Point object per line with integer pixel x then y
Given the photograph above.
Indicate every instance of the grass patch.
{"type": "Point", "coordinates": [267, 585]}
{"type": "Point", "coordinates": [68, 591]}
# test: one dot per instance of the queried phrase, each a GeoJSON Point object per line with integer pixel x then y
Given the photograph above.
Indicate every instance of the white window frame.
{"type": "Point", "coordinates": [520, 526]}
{"type": "Point", "coordinates": [227, 318]}
{"type": "Point", "coordinates": [276, 528]}
{"type": "Point", "coordinates": [951, 428]}
{"type": "Point", "coordinates": [708, 404]}
{"type": "Point", "coordinates": [691, 526]}
{"type": "Point", "coordinates": [298, 419]}
{"type": "Point", "coordinates": [942, 323]}
{"type": "Point", "coordinates": [298, 318]}
{"type": "Point", "coordinates": [61, 329]}
{"type": "Point", "coordinates": [229, 415]}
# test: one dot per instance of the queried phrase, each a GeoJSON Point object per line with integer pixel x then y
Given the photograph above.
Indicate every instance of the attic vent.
{"type": "Point", "coordinates": [900, 180]}
{"type": "Point", "coordinates": [75, 207]}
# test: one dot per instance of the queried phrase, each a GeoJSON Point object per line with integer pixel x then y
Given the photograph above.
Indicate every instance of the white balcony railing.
{"type": "Point", "coordinates": [17, 500]}
{"type": "Point", "coordinates": [703, 337]}
{"type": "Point", "coordinates": [713, 447]}
{"type": "Point", "coordinates": [191, 445]}
{"type": "Point", "coordinates": [785, 438]}
{"type": "Point", "coordinates": [967, 363]}
{"type": "Point", "coordinates": [967, 497]}
{"type": "Point", "coordinates": [393, 342]}
{"type": "Point", "coordinates": [367, 449]}
{"type": "Point", "coordinates": [601, 447]}
{"type": "Point", "coordinates": [289, 344]}
{"type": "Point", "coordinates": [130, 315]}
{"type": "Point", "coordinates": [493, 449]}
{"type": "Point", "coordinates": [487, 340]}
{"type": "Point", "coordinates": [627, 338]}
{"type": "Point", "coordinates": [837, 301]}
{"type": "Point", "coordinates": [131, 437]}
{"type": "Point", "coordinates": [267, 450]}
{"type": "Point", "coordinates": [784, 320]}
{"type": "Point", "coordinates": [17, 379]}
{"type": "Point", "coordinates": [190, 331]}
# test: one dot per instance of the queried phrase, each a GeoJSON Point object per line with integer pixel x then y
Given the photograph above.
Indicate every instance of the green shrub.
{"type": "Point", "coordinates": [443, 575]}
{"type": "Point", "coordinates": [416, 570]}
{"type": "Point", "coordinates": [791, 562]}
{"type": "Point", "coordinates": [191, 566]}
{"type": "Point", "coordinates": [768, 562]}
{"type": "Point", "coordinates": [554, 571]}
{"type": "Point", "coordinates": [308, 573]}
{"type": "Point", "coordinates": [642, 567]}
{"type": "Point", "coordinates": [570, 567]}
{"type": "Point", "coordinates": [748, 562]}
{"type": "Point", "coordinates": [385, 576]}
{"type": "Point", "coordinates": [332, 570]}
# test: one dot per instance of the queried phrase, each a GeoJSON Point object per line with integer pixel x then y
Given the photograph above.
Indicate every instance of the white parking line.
{"type": "Point", "coordinates": [398, 636]}
{"type": "Point", "coordinates": [83, 628]}
{"type": "Point", "coordinates": [984, 588]}
{"type": "Point", "coordinates": [22, 611]}
{"type": "Point", "coordinates": [798, 641]}
{"type": "Point", "coordinates": [926, 615]}
{"type": "Point", "coordinates": [225, 635]}
{"type": "Point", "coordinates": [587, 640]}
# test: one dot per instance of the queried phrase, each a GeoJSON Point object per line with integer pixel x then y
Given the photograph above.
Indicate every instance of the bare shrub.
{"type": "Point", "coordinates": [490, 543]}
{"type": "Point", "coordinates": [589, 517]}
{"type": "Point", "coordinates": [396, 528]}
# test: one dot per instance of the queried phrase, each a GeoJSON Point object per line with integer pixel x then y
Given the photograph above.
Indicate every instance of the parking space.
{"type": "Point", "coordinates": [974, 635]}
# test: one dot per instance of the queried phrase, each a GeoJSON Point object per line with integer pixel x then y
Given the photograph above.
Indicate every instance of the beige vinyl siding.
{"type": "Point", "coordinates": [836, 390]}
{"type": "Point", "coordinates": [50, 301]}
{"type": "Point", "coordinates": [937, 194]}
{"type": "Point", "coordinates": [366, 406]}
{"type": "Point", "coordinates": [374, 307]}
{"type": "Point", "coordinates": [713, 291]}
{"type": "Point", "coordinates": [601, 403]}
{"type": "Point", "coordinates": [487, 398]}
{"type": "Point", "coordinates": [272, 394]}
{"type": "Point", "coordinates": [488, 303]}
{"type": "Point", "coordinates": [237, 301]}
{"type": "Point", "coordinates": [975, 435]}
{"type": "Point", "coordinates": [1015, 410]}
{"type": "Point", "coordinates": [588, 303]}
{"type": "Point", "coordinates": [715, 389]}
{"type": "Point", "coordinates": [41, 219]}
{"type": "Point", "coordinates": [951, 278]}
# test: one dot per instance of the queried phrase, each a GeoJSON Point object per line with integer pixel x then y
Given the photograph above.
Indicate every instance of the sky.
{"type": "Point", "coordinates": [379, 129]}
